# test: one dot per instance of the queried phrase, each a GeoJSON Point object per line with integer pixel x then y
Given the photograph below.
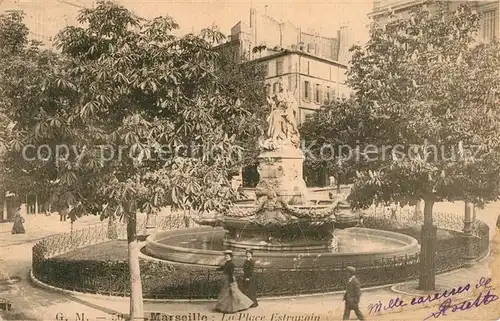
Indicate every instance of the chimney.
{"type": "Point", "coordinates": [253, 26]}
{"type": "Point", "coordinates": [253, 17]}
{"type": "Point", "coordinates": [343, 43]}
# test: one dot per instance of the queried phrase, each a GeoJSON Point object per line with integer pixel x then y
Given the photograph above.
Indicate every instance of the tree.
{"type": "Point", "coordinates": [147, 120]}
{"type": "Point", "coordinates": [19, 56]}
{"type": "Point", "coordinates": [331, 135]}
{"type": "Point", "coordinates": [431, 91]}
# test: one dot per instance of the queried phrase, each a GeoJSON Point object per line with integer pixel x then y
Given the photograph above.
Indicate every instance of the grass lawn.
{"type": "Point", "coordinates": [114, 250]}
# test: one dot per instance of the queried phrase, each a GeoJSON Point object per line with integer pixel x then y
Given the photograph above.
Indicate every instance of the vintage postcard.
{"type": "Point", "coordinates": [249, 160]}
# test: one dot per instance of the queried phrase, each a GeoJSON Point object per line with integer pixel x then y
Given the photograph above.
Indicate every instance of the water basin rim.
{"type": "Point", "coordinates": [152, 241]}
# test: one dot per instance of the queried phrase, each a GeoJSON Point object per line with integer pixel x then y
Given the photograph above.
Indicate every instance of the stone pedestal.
{"type": "Point", "coordinates": [281, 173]}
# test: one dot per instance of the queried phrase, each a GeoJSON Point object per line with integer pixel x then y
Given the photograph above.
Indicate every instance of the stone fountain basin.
{"type": "Point", "coordinates": [356, 246]}
{"type": "Point", "coordinates": [246, 224]}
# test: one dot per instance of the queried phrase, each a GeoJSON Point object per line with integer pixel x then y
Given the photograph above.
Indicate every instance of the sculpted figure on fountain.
{"type": "Point", "coordinates": [282, 121]}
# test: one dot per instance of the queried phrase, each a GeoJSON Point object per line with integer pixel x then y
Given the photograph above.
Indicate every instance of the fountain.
{"type": "Point", "coordinates": [283, 227]}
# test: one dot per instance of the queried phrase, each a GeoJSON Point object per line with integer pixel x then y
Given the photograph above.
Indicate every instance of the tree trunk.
{"type": "Point", "coordinates": [5, 208]}
{"type": "Point", "coordinates": [136, 304]}
{"type": "Point", "coordinates": [326, 178]}
{"type": "Point", "coordinates": [112, 231]}
{"type": "Point", "coordinates": [186, 219]}
{"type": "Point", "coordinates": [339, 190]}
{"type": "Point", "coordinates": [417, 214]}
{"type": "Point", "coordinates": [427, 278]}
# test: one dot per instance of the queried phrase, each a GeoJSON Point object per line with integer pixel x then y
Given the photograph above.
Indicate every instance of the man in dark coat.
{"type": "Point", "coordinates": [249, 286]}
{"type": "Point", "coordinates": [352, 295]}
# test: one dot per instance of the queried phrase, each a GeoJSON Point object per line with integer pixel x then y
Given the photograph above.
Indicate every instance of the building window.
{"type": "Point", "coordinates": [328, 98]}
{"type": "Point", "coordinates": [307, 90]}
{"type": "Point", "coordinates": [275, 87]}
{"type": "Point", "coordinates": [279, 67]}
{"type": "Point", "coordinates": [290, 82]}
{"type": "Point", "coordinates": [318, 94]}
{"type": "Point", "coordinates": [488, 25]}
{"type": "Point", "coordinates": [268, 89]}
{"type": "Point", "coordinates": [334, 94]}
{"type": "Point", "coordinates": [265, 67]}
{"type": "Point", "coordinates": [304, 114]}
{"type": "Point", "coordinates": [308, 67]}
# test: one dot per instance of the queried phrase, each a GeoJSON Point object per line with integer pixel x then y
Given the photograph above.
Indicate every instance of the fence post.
{"type": "Point", "coordinates": [468, 236]}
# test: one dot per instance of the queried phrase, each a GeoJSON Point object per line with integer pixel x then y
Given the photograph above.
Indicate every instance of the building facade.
{"type": "Point", "coordinates": [314, 67]}
{"type": "Point", "coordinates": [314, 81]}
{"type": "Point", "coordinates": [489, 12]}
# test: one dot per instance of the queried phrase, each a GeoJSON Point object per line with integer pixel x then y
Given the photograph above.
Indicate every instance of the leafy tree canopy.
{"type": "Point", "coordinates": [140, 118]}
{"type": "Point", "coordinates": [427, 97]}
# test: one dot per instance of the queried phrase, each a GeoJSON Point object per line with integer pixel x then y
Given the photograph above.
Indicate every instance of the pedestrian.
{"type": "Point", "coordinates": [18, 227]}
{"type": "Point", "coordinates": [352, 295]}
{"type": "Point", "coordinates": [249, 285]}
{"type": "Point", "coordinates": [231, 299]}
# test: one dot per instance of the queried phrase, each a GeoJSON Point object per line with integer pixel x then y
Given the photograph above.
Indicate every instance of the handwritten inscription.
{"type": "Point", "coordinates": [446, 306]}
{"type": "Point", "coordinates": [482, 299]}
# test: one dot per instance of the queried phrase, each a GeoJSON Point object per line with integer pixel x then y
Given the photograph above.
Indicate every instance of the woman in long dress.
{"type": "Point", "coordinates": [249, 285]}
{"type": "Point", "coordinates": [18, 227]}
{"type": "Point", "coordinates": [231, 299]}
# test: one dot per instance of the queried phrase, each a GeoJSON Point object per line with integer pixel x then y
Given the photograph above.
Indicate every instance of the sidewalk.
{"type": "Point", "coordinates": [40, 226]}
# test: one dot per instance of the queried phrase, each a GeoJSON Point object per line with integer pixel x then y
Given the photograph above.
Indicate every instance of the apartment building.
{"type": "Point", "coordinates": [314, 81]}
{"type": "Point", "coordinates": [489, 12]}
{"type": "Point", "coordinates": [313, 66]}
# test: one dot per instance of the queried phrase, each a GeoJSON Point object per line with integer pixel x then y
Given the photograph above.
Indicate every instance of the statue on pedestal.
{"type": "Point", "coordinates": [282, 120]}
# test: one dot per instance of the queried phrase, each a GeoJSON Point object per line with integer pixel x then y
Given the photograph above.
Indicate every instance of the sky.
{"type": "Point", "coordinates": [48, 16]}
{"type": "Point", "coordinates": [323, 16]}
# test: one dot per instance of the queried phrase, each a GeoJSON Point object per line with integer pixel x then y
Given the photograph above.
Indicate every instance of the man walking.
{"type": "Point", "coordinates": [352, 295]}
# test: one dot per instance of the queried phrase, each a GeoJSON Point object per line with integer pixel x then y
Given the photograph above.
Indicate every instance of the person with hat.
{"type": "Point", "coordinates": [18, 227]}
{"type": "Point", "coordinates": [249, 286]}
{"type": "Point", "coordinates": [231, 299]}
{"type": "Point", "coordinates": [352, 295]}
